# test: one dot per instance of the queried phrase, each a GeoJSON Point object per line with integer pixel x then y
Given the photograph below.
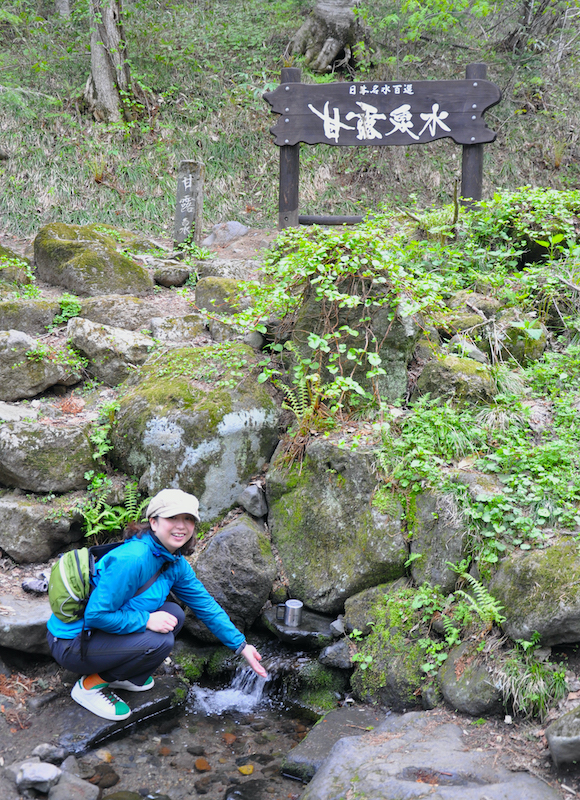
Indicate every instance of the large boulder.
{"type": "Point", "coordinates": [26, 368]}
{"type": "Point", "coordinates": [332, 541]}
{"type": "Point", "coordinates": [540, 591]}
{"type": "Point", "coordinates": [113, 353]}
{"type": "Point", "coordinates": [419, 756]}
{"type": "Point", "coordinates": [394, 335]}
{"type": "Point", "coordinates": [44, 456]}
{"type": "Point", "coordinates": [437, 532]}
{"type": "Point", "coordinates": [33, 531]}
{"type": "Point", "coordinates": [237, 568]}
{"type": "Point", "coordinates": [196, 419]}
{"type": "Point", "coordinates": [85, 262]}
{"type": "Point", "coordinates": [30, 316]}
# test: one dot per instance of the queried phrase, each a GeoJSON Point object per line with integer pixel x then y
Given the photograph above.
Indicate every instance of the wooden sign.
{"type": "Point", "coordinates": [189, 202]}
{"type": "Point", "coordinates": [391, 113]}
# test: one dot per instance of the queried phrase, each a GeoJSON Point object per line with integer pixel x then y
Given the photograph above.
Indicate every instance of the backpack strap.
{"type": "Point", "coordinates": [152, 579]}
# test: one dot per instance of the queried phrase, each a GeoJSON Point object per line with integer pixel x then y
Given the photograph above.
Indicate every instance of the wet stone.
{"type": "Point", "coordinates": [313, 633]}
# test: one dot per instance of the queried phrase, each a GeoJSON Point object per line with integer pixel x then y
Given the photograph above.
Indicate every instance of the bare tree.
{"type": "Point", "coordinates": [330, 31]}
{"type": "Point", "coordinates": [108, 89]}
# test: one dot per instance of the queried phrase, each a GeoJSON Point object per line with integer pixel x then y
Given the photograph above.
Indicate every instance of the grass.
{"type": "Point", "coordinates": [202, 72]}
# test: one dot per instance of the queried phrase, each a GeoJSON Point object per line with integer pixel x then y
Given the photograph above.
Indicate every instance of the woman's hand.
{"type": "Point", "coordinates": [253, 658]}
{"type": "Point", "coordinates": [161, 622]}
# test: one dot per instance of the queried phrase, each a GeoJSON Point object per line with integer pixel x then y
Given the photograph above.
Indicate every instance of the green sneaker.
{"type": "Point", "coordinates": [100, 700]}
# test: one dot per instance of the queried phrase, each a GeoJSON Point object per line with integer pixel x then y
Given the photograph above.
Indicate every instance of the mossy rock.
{"type": "Point", "coordinates": [393, 676]}
{"type": "Point", "coordinates": [85, 261]}
{"type": "Point", "coordinates": [462, 379]}
{"type": "Point", "coordinates": [31, 316]}
{"type": "Point", "coordinates": [355, 545]}
{"type": "Point", "coordinates": [218, 295]}
{"type": "Point", "coordinates": [196, 418]}
{"type": "Point", "coordinates": [14, 268]}
{"type": "Point", "coordinates": [540, 591]}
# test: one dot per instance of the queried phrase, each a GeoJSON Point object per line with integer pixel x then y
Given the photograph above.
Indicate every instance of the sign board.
{"type": "Point", "coordinates": [391, 113]}
{"type": "Point", "coordinates": [189, 202]}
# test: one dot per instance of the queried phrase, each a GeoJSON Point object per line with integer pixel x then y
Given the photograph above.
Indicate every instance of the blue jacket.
{"type": "Point", "coordinates": [112, 606]}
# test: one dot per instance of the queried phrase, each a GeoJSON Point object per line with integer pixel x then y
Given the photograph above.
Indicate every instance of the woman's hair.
{"type": "Point", "coordinates": [139, 528]}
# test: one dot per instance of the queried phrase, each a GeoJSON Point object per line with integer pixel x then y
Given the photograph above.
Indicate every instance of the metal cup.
{"type": "Point", "coordinates": [280, 611]}
{"type": "Point", "coordinates": [293, 613]}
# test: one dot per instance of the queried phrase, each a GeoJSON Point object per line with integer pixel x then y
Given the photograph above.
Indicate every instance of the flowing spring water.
{"type": "Point", "coordinates": [245, 694]}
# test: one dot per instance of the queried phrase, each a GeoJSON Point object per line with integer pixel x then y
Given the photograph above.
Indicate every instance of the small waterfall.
{"type": "Point", "coordinates": [244, 694]}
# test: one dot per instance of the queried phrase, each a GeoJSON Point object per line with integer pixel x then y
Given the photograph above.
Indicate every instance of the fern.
{"type": "Point", "coordinates": [485, 606]}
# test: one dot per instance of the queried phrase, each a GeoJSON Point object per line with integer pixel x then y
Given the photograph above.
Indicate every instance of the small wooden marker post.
{"type": "Point", "coordinates": [380, 113]}
{"type": "Point", "coordinates": [189, 203]}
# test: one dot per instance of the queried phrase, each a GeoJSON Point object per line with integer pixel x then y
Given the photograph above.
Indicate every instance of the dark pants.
{"type": "Point", "coordinates": [118, 657]}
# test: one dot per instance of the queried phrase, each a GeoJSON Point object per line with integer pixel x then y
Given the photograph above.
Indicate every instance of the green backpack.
{"type": "Point", "coordinates": [72, 580]}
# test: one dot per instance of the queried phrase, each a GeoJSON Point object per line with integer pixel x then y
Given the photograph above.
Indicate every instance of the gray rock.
{"type": "Point", "coordinates": [207, 435]}
{"type": "Point", "coordinates": [225, 232]}
{"type": "Point", "coordinates": [540, 591]}
{"type": "Point", "coordinates": [467, 685]}
{"type": "Point", "coordinates": [85, 262]}
{"type": "Point", "coordinates": [11, 770]}
{"type": "Point", "coordinates": [337, 627]}
{"type": "Point", "coordinates": [304, 760]}
{"type": "Point", "coordinates": [45, 458]}
{"type": "Point", "coordinates": [177, 329]}
{"type": "Point", "coordinates": [41, 777]}
{"type": "Point", "coordinates": [70, 765]}
{"type": "Point", "coordinates": [33, 530]}
{"type": "Point", "coordinates": [237, 269]}
{"type": "Point", "coordinates": [22, 376]}
{"type": "Point", "coordinates": [313, 633]}
{"type": "Point", "coordinates": [113, 353]}
{"type": "Point", "coordinates": [337, 655]}
{"type": "Point", "coordinates": [70, 786]}
{"type": "Point", "coordinates": [356, 546]}
{"type": "Point", "coordinates": [30, 316]}
{"type": "Point", "coordinates": [400, 755]}
{"type": "Point", "coordinates": [255, 340]}
{"type": "Point", "coordinates": [237, 568]}
{"type": "Point", "coordinates": [563, 737]}
{"type": "Point", "coordinates": [457, 377]}
{"type": "Point", "coordinates": [15, 412]}
{"type": "Point", "coordinates": [23, 623]}
{"type": "Point", "coordinates": [119, 310]}
{"type": "Point", "coordinates": [8, 790]}
{"type": "Point", "coordinates": [224, 332]}
{"type": "Point", "coordinates": [253, 500]}
{"type": "Point", "coordinates": [50, 752]}
{"type": "Point", "coordinates": [437, 536]}
{"type": "Point", "coordinates": [474, 302]}
{"type": "Point", "coordinates": [170, 275]}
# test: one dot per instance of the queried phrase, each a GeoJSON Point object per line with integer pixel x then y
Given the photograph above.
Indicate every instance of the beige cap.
{"type": "Point", "coordinates": [171, 502]}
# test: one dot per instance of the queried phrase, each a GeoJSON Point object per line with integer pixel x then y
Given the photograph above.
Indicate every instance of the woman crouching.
{"type": "Point", "coordinates": [129, 629]}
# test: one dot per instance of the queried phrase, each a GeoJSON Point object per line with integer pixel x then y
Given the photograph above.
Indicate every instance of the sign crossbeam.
{"type": "Point", "coordinates": [379, 113]}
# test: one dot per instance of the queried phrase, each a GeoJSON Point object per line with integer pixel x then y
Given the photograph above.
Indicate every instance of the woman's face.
{"type": "Point", "coordinates": [173, 532]}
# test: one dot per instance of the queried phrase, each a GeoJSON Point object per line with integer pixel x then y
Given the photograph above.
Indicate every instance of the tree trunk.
{"type": "Point", "coordinates": [62, 8]}
{"type": "Point", "coordinates": [331, 30]}
{"type": "Point", "coordinates": [108, 89]}
{"type": "Point", "coordinates": [538, 19]}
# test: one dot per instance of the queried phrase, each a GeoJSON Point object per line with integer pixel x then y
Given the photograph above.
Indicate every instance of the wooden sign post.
{"type": "Point", "coordinates": [189, 202]}
{"type": "Point", "coordinates": [387, 113]}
